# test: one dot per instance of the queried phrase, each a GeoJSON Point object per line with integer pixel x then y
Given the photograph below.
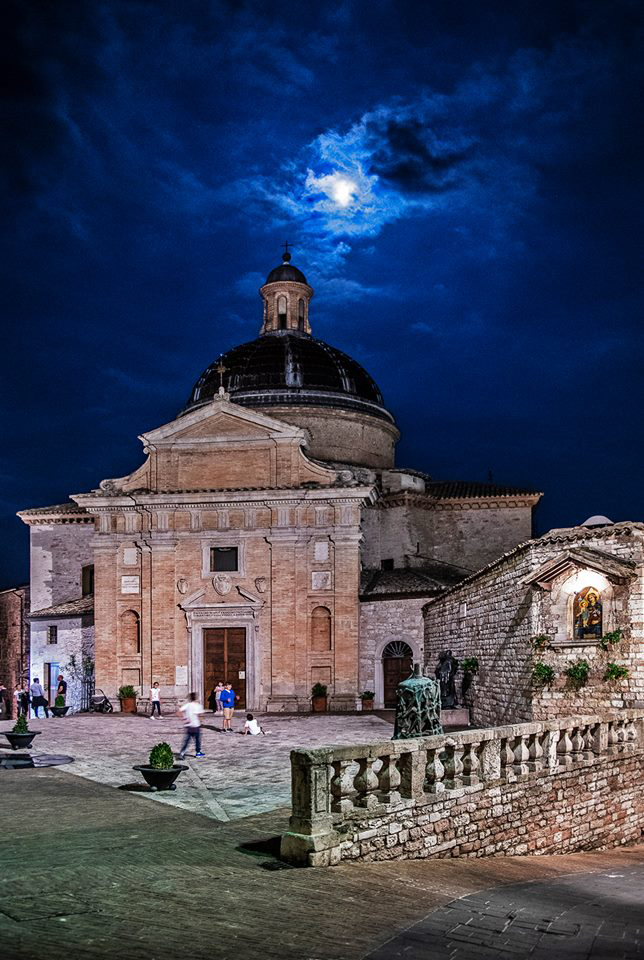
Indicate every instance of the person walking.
{"type": "Point", "coordinates": [61, 689]}
{"type": "Point", "coordinates": [155, 700]}
{"type": "Point", "coordinates": [228, 703]}
{"type": "Point", "coordinates": [191, 711]}
{"type": "Point", "coordinates": [38, 698]}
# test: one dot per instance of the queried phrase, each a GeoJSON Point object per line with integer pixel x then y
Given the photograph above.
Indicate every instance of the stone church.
{"type": "Point", "coordinates": [267, 538]}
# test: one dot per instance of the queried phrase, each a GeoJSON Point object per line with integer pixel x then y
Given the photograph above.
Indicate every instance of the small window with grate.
{"type": "Point", "coordinates": [52, 634]}
{"type": "Point", "coordinates": [224, 559]}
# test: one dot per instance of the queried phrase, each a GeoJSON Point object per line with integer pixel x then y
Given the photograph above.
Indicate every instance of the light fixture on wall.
{"type": "Point", "coordinates": [585, 578]}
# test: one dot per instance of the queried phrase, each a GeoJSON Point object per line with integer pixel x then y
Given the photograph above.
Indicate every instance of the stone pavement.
{"type": "Point", "coordinates": [87, 871]}
{"type": "Point", "coordinates": [238, 777]}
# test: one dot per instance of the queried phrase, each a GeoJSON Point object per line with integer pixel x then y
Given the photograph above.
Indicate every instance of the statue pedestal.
{"type": "Point", "coordinates": [456, 717]}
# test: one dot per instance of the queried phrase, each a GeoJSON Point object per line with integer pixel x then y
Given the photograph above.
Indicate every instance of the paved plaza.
{"type": "Point", "coordinates": [91, 871]}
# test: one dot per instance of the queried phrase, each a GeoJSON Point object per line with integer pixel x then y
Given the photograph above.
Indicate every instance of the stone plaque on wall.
{"type": "Point", "coordinates": [130, 557]}
{"type": "Point", "coordinates": [322, 550]}
{"type": "Point", "coordinates": [181, 675]}
{"type": "Point", "coordinates": [321, 580]}
{"type": "Point", "coordinates": [130, 584]}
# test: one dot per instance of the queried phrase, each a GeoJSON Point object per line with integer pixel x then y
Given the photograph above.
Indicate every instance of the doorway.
{"type": "Point", "coordinates": [397, 665]}
{"type": "Point", "coordinates": [50, 681]}
{"type": "Point", "coordinates": [225, 660]}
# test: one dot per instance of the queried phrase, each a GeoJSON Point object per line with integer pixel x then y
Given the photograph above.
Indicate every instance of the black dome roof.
{"type": "Point", "coordinates": [286, 271]}
{"type": "Point", "coordinates": [291, 368]}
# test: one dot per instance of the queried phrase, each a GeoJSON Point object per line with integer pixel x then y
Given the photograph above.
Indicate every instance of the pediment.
{"type": "Point", "coordinates": [581, 558]}
{"type": "Point", "coordinates": [219, 422]}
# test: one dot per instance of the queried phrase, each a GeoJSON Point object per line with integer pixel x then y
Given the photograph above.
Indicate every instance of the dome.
{"type": "Point", "coordinates": [286, 271]}
{"type": "Point", "coordinates": [288, 368]}
{"type": "Point", "coordinates": [598, 520]}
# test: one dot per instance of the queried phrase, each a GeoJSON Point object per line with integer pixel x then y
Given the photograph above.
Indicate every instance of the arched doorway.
{"type": "Point", "coordinates": [397, 665]}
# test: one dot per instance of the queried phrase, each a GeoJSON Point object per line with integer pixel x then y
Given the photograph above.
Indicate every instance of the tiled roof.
{"type": "Point", "coordinates": [71, 608]}
{"type": "Point", "coordinates": [430, 579]}
{"type": "Point", "coordinates": [53, 508]}
{"type": "Point", "coordinates": [462, 489]}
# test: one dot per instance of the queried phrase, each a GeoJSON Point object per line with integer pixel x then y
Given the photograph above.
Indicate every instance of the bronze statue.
{"type": "Point", "coordinates": [445, 673]}
{"type": "Point", "coordinates": [418, 707]}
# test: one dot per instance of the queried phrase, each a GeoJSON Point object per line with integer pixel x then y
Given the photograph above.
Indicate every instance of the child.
{"type": "Point", "coordinates": [155, 700]}
{"type": "Point", "coordinates": [227, 699]}
{"type": "Point", "coordinates": [191, 711]}
{"type": "Point", "coordinates": [251, 727]}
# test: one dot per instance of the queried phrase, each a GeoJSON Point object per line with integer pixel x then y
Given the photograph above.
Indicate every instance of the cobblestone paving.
{"type": "Point", "coordinates": [87, 871]}
{"type": "Point", "coordinates": [238, 777]}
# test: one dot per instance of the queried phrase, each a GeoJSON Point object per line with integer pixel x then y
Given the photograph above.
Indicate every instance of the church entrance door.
{"type": "Point", "coordinates": [397, 665]}
{"type": "Point", "coordinates": [225, 660]}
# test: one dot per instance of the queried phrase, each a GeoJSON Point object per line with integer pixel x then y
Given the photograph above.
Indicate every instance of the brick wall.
{"type": "Point", "coordinates": [14, 638]}
{"type": "Point", "coordinates": [494, 615]}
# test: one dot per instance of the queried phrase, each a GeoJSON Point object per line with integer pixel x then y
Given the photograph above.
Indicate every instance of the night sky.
{"type": "Point", "coordinates": [460, 181]}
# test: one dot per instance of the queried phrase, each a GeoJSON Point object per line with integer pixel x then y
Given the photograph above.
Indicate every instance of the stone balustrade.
{"type": "Point", "coordinates": [341, 793]}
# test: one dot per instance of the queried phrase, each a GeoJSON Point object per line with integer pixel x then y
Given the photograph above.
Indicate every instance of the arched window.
{"type": "Point", "coordinates": [130, 634]}
{"type": "Point", "coordinates": [321, 629]}
{"type": "Point", "coordinates": [587, 614]}
{"type": "Point", "coordinates": [300, 315]}
{"type": "Point", "coordinates": [281, 312]}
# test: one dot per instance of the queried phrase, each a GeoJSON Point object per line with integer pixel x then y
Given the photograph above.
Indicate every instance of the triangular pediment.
{"type": "Point", "coordinates": [221, 421]}
{"type": "Point", "coordinates": [581, 558]}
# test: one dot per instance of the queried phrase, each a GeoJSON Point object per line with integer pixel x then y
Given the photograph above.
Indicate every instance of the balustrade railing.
{"type": "Point", "coordinates": [345, 783]}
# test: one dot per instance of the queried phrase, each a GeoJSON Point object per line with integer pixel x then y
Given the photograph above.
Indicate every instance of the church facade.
{"type": "Point", "coordinates": [267, 537]}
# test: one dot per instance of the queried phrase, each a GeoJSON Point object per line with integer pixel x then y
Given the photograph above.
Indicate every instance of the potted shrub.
{"type": "Point", "coordinates": [161, 771]}
{"type": "Point", "coordinates": [318, 696]}
{"type": "Point", "coordinates": [127, 696]}
{"type": "Point", "coordinates": [20, 736]}
{"type": "Point", "coordinates": [59, 709]}
{"type": "Point", "coordinates": [367, 697]}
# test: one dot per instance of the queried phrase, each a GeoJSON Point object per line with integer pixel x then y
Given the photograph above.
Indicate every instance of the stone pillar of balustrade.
{"type": "Point", "coordinates": [311, 839]}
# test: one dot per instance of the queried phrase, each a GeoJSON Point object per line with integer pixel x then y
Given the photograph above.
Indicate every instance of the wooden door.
{"type": "Point", "coordinates": [225, 660]}
{"type": "Point", "coordinates": [395, 670]}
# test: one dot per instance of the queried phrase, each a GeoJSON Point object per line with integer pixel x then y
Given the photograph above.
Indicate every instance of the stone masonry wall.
{"type": "Point", "coordinates": [584, 809]}
{"type": "Point", "coordinates": [494, 615]}
{"type": "Point", "coordinates": [380, 622]}
{"type": "Point", "coordinates": [58, 552]}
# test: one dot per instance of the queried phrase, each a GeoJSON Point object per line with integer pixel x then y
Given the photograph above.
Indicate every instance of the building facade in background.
{"type": "Point", "coordinates": [267, 537]}
{"type": "Point", "coordinates": [14, 639]}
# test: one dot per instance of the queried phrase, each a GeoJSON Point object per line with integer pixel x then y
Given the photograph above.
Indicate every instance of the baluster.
{"type": "Point", "coordinates": [366, 784]}
{"type": "Point", "coordinates": [521, 756]}
{"type": "Point", "coordinates": [453, 763]}
{"type": "Point", "coordinates": [612, 737]}
{"type": "Point", "coordinates": [389, 781]}
{"type": "Point", "coordinates": [471, 764]}
{"type": "Point", "coordinates": [434, 773]}
{"type": "Point", "coordinates": [577, 741]}
{"type": "Point", "coordinates": [535, 752]}
{"type": "Point", "coordinates": [341, 787]}
{"type": "Point", "coordinates": [564, 749]}
{"type": "Point", "coordinates": [507, 759]}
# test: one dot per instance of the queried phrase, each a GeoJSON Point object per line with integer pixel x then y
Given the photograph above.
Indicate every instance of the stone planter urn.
{"type": "Point", "coordinates": [160, 778]}
{"type": "Point", "coordinates": [21, 741]}
{"type": "Point", "coordinates": [128, 704]}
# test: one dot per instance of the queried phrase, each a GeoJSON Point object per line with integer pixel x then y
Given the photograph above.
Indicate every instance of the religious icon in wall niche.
{"type": "Point", "coordinates": [587, 614]}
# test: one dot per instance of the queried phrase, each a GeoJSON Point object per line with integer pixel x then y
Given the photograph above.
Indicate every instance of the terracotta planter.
{"type": "Point", "coordinates": [319, 704]}
{"type": "Point", "coordinates": [159, 779]}
{"type": "Point", "coordinates": [21, 741]}
{"type": "Point", "coordinates": [367, 705]}
{"type": "Point", "coordinates": [128, 705]}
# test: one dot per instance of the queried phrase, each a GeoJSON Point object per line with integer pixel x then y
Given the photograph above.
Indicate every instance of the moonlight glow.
{"type": "Point", "coordinates": [343, 191]}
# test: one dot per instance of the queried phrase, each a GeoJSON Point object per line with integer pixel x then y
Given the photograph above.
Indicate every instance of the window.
{"type": "Point", "coordinates": [300, 315]}
{"type": "Point", "coordinates": [281, 312]}
{"type": "Point", "coordinates": [587, 614]}
{"type": "Point", "coordinates": [320, 629]}
{"type": "Point", "coordinates": [387, 564]}
{"type": "Point", "coordinates": [87, 580]}
{"type": "Point", "coordinates": [223, 559]}
{"type": "Point", "coordinates": [52, 634]}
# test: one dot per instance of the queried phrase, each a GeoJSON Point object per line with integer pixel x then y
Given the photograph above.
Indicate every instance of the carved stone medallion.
{"type": "Point", "coordinates": [222, 584]}
{"type": "Point", "coordinates": [261, 583]}
{"type": "Point", "coordinates": [182, 585]}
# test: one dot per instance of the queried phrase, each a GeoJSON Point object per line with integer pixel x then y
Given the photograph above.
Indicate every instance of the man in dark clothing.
{"type": "Point", "coordinates": [61, 690]}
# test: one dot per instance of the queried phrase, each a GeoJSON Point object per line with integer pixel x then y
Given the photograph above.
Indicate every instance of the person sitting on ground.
{"type": "Point", "coordinates": [251, 727]}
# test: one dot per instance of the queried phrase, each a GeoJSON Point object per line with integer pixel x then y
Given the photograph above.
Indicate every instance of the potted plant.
{"type": "Point", "coordinates": [318, 696]}
{"type": "Point", "coordinates": [20, 736]}
{"type": "Point", "coordinates": [59, 709]}
{"type": "Point", "coordinates": [367, 697]}
{"type": "Point", "coordinates": [161, 771]}
{"type": "Point", "coordinates": [127, 696]}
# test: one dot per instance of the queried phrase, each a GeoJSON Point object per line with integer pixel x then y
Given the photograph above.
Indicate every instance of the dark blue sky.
{"type": "Point", "coordinates": [461, 183]}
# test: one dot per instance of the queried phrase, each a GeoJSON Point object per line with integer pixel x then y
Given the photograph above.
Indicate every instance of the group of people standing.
{"type": "Point", "coordinates": [33, 695]}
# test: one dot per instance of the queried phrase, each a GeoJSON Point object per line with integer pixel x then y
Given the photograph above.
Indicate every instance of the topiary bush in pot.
{"type": "Point", "coordinates": [161, 756]}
